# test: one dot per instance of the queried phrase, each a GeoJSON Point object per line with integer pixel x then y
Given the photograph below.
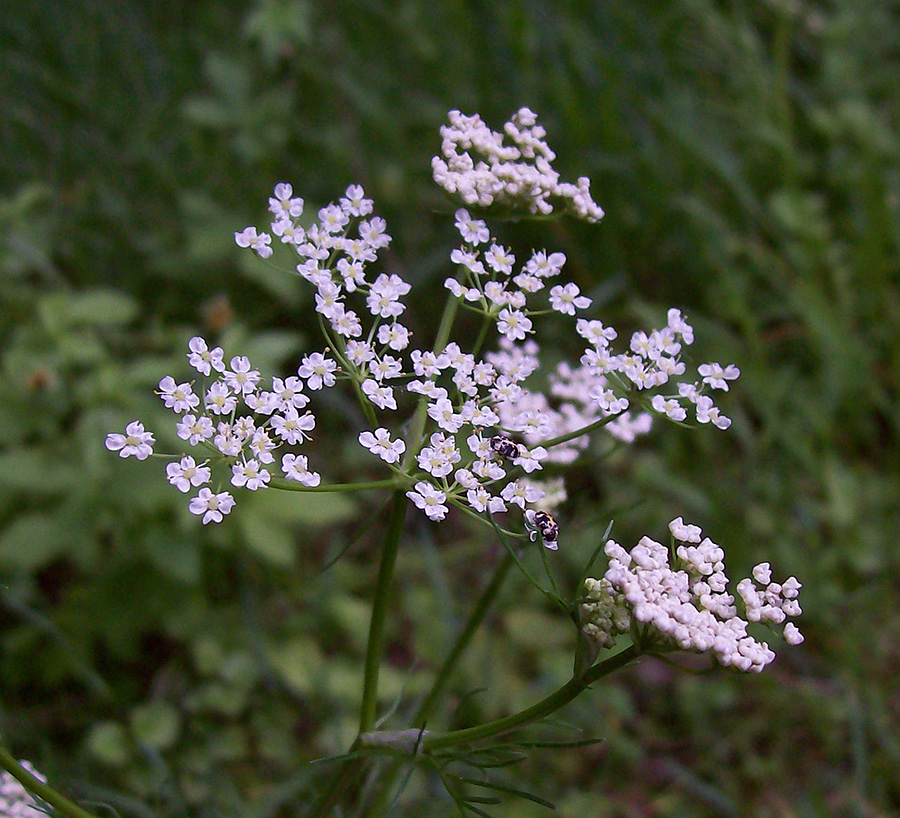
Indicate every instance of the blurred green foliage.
{"type": "Point", "coordinates": [748, 157]}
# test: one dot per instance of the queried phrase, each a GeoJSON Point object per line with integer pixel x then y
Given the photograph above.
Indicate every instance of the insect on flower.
{"type": "Point", "coordinates": [505, 446]}
{"type": "Point", "coordinates": [548, 527]}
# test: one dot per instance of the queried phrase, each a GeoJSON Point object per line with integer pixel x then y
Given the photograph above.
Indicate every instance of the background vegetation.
{"type": "Point", "coordinates": [748, 157]}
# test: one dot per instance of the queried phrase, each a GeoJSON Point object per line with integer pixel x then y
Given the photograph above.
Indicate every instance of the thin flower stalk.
{"type": "Point", "coordinates": [555, 701]}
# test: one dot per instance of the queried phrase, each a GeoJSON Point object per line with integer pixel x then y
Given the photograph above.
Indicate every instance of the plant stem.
{"type": "Point", "coordinates": [537, 711]}
{"type": "Point", "coordinates": [350, 769]}
{"type": "Point", "coordinates": [43, 791]}
{"type": "Point", "coordinates": [379, 610]}
{"type": "Point", "coordinates": [293, 485]}
{"type": "Point", "coordinates": [417, 424]}
{"type": "Point", "coordinates": [462, 640]}
{"type": "Point", "coordinates": [482, 334]}
{"type": "Point", "coordinates": [555, 441]}
{"type": "Point", "coordinates": [425, 709]}
{"type": "Point", "coordinates": [342, 781]}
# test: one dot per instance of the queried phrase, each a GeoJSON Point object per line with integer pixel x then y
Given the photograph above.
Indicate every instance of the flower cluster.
{"type": "Point", "coordinates": [479, 166]}
{"type": "Point", "coordinates": [687, 606]}
{"type": "Point", "coordinates": [466, 397]}
{"type": "Point", "coordinates": [15, 800]}
{"type": "Point", "coordinates": [236, 420]}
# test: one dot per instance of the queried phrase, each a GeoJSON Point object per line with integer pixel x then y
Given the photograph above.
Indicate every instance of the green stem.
{"type": "Point", "coordinates": [417, 424]}
{"type": "Point", "coordinates": [293, 485]}
{"type": "Point", "coordinates": [425, 709]}
{"type": "Point", "coordinates": [536, 712]}
{"type": "Point", "coordinates": [482, 334]}
{"type": "Point", "coordinates": [349, 771]}
{"type": "Point", "coordinates": [462, 640]}
{"type": "Point", "coordinates": [379, 611]}
{"type": "Point", "coordinates": [37, 787]}
{"type": "Point", "coordinates": [555, 441]}
{"type": "Point", "coordinates": [344, 779]}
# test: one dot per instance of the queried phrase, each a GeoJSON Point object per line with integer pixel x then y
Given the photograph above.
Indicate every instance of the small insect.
{"type": "Point", "coordinates": [547, 526]}
{"type": "Point", "coordinates": [505, 446]}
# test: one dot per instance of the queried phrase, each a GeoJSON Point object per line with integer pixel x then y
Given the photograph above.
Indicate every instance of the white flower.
{"type": "Point", "coordinates": [520, 493]}
{"type": "Point", "coordinates": [511, 168]}
{"type": "Point", "coordinates": [292, 427]}
{"type": "Point", "coordinates": [441, 411]}
{"type": "Point", "coordinates": [707, 413]}
{"type": "Point", "coordinates": [289, 232]}
{"type": "Point", "coordinates": [187, 473]}
{"type": "Point", "coordinates": [284, 205]}
{"type": "Point", "coordinates": [248, 237]}
{"type": "Point", "coordinates": [213, 507]}
{"type": "Point", "coordinates": [385, 367]}
{"type": "Point", "coordinates": [328, 299]}
{"type": "Point", "coordinates": [481, 500]}
{"type": "Point", "coordinates": [456, 358]}
{"type": "Point", "coordinates": [565, 299]}
{"type": "Point", "coordinates": [241, 379]}
{"type": "Point", "coordinates": [473, 231]}
{"type": "Point", "coordinates": [317, 370]}
{"type": "Point", "coordinates": [194, 429]}
{"type": "Point", "coordinates": [687, 606]}
{"type": "Point", "coordinates": [289, 392]}
{"type": "Point", "coordinates": [352, 272]}
{"type": "Point", "coordinates": [134, 443]}
{"type": "Point", "coordinates": [461, 292]}
{"type": "Point", "coordinates": [439, 458]}
{"type": "Point", "coordinates": [372, 232]}
{"type": "Point", "coordinates": [263, 403]}
{"type": "Point", "coordinates": [792, 634]}
{"type": "Point", "coordinates": [296, 467]}
{"type": "Point", "coordinates": [429, 499]}
{"type": "Point", "coordinates": [384, 296]}
{"type": "Point", "coordinates": [395, 335]}
{"type": "Point", "coordinates": [380, 443]}
{"type": "Point", "coordinates": [544, 266]}
{"type": "Point", "coordinates": [220, 400]}
{"type": "Point", "coordinates": [249, 475]}
{"type": "Point", "coordinates": [204, 359]}
{"type": "Point", "coordinates": [530, 459]}
{"type": "Point", "coordinates": [332, 218]}
{"type": "Point", "coordinates": [354, 202]}
{"type": "Point", "coordinates": [427, 364]}
{"type": "Point", "coordinates": [594, 332]}
{"type": "Point", "coordinates": [428, 388]}
{"type": "Point", "coordinates": [716, 376]}
{"type": "Point", "coordinates": [500, 259]}
{"type": "Point", "coordinates": [225, 440]}
{"type": "Point", "coordinates": [671, 407]}
{"type": "Point", "coordinates": [680, 326]}
{"type": "Point", "coordinates": [381, 396]}
{"type": "Point", "coordinates": [762, 573]}
{"type": "Point", "coordinates": [359, 352]}
{"type": "Point", "coordinates": [514, 325]}
{"type": "Point", "coordinates": [178, 397]}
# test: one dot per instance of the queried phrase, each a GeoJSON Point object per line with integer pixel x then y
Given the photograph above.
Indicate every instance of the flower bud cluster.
{"type": "Point", "coordinates": [15, 800]}
{"type": "Point", "coordinates": [509, 170]}
{"type": "Point", "coordinates": [686, 605]}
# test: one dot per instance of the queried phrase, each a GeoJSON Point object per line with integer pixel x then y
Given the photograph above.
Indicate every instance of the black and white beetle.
{"type": "Point", "coordinates": [505, 446]}
{"type": "Point", "coordinates": [548, 526]}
